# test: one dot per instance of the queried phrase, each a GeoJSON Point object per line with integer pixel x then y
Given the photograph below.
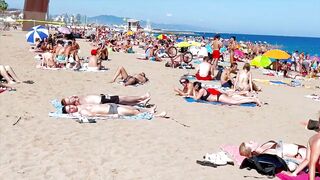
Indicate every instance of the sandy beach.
{"type": "Point", "coordinates": [40, 147]}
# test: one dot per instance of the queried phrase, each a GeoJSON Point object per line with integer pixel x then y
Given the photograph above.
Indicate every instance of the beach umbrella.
{"type": "Point", "coordinates": [64, 30]}
{"type": "Point", "coordinates": [162, 36]}
{"type": "Point", "coordinates": [277, 54]}
{"type": "Point", "coordinates": [183, 44]}
{"type": "Point", "coordinates": [193, 43]}
{"type": "Point", "coordinates": [261, 61]}
{"type": "Point", "coordinates": [37, 32]}
{"type": "Point", "coordinates": [238, 53]}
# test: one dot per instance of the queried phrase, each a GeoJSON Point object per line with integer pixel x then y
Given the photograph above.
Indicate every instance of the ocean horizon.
{"type": "Point", "coordinates": [308, 45]}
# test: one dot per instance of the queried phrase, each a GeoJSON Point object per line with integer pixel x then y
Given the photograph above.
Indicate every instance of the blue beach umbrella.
{"type": "Point", "coordinates": [37, 32]}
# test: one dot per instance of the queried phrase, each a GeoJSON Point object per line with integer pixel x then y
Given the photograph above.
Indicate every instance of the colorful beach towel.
{"type": "Point", "coordinates": [233, 152]}
{"type": "Point", "coordinates": [301, 176]}
{"type": "Point", "coordinates": [191, 100]}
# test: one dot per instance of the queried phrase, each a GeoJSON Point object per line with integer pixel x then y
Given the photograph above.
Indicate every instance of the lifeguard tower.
{"type": "Point", "coordinates": [133, 25]}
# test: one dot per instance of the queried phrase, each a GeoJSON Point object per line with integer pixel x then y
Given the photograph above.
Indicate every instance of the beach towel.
{"type": "Point", "coordinates": [2, 90]}
{"type": "Point", "coordinates": [301, 176]}
{"type": "Point", "coordinates": [191, 100]}
{"type": "Point", "coordinates": [233, 152]}
{"type": "Point", "coordinates": [58, 114]}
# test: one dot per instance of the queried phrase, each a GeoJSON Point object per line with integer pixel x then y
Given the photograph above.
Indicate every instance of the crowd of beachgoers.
{"type": "Point", "coordinates": [225, 61]}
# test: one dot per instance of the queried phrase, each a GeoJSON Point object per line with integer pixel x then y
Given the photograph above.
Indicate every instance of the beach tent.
{"type": "Point", "coordinates": [37, 32]}
{"type": "Point", "coordinates": [261, 61]}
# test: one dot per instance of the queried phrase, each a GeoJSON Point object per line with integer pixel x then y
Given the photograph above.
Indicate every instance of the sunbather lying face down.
{"type": "Point", "coordinates": [215, 96]}
{"type": "Point", "coordinates": [105, 98]}
{"type": "Point", "coordinates": [101, 110]}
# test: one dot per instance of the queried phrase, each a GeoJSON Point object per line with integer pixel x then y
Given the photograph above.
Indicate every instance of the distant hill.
{"type": "Point", "coordinates": [110, 19]}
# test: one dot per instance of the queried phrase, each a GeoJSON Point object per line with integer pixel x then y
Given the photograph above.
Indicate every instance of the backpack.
{"type": "Point", "coordinates": [265, 164]}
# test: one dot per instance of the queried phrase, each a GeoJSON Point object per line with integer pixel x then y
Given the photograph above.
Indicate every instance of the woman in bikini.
{"type": "Point", "coordinates": [130, 80]}
{"type": "Point", "coordinates": [213, 95]}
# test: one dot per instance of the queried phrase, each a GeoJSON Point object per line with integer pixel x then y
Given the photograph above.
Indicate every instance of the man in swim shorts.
{"type": "Point", "coordinates": [105, 98]}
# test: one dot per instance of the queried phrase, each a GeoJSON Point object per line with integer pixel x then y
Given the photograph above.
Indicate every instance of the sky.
{"type": "Point", "coordinates": [268, 17]}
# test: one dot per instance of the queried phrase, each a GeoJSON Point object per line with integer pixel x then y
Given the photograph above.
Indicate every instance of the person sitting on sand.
{"type": "Point", "coordinates": [94, 61]}
{"type": "Point", "coordinates": [128, 79]}
{"type": "Point", "coordinates": [244, 81]}
{"type": "Point", "coordinates": [101, 110]}
{"type": "Point", "coordinates": [102, 51]}
{"type": "Point", "coordinates": [205, 71]}
{"type": "Point", "coordinates": [105, 98]}
{"type": "Point", "coordinates": [226, 79]}
{"type": "Point", "coordinates": [293, 154]}
{"type": "Point", "coordinates": [7, 73]}
{"type": "Point", "coordinates": [312, 158]}
{"type": "Point", "coordinates": [187, 88]}
{"type": "Point", "coordinates": [212, 95]}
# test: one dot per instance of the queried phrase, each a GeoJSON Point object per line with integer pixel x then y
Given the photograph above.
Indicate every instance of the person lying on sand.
{"type": "Point", "coordinates": [294, 154]}
{"type": "Point", "coordinates": [128, 79]}
{"type": "Point", "coordinates": [213, 95]}
{"type": "Point", "coordinates": [244, 80]}
{"type": "Point", "coordinates": [187, 88]}
{"type": "Point", "coordinates": [312, 158]}
{"type": "Point", "coordinates": [7, 73]}
{"type": "Point", "coordinates": [105, 98]}
{"type": "Point", "coordinates": [101, 110]}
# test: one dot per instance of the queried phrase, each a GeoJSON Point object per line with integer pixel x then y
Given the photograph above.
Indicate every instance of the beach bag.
{"type": "Point", "coordinates": [265, 164]}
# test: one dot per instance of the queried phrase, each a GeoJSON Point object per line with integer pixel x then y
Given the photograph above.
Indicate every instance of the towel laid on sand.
{"type": "Point", "coordinates": [58, 114]}
{"type": "Point", "coordinates": [191, 100]}
{"type": "Point", "coordinates": [233, 152]}
{"type": "Point", "coordinates": [301, 176]}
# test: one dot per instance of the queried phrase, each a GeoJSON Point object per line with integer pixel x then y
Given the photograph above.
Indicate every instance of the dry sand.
{"type": "Point", "coordinates": [39, 147]}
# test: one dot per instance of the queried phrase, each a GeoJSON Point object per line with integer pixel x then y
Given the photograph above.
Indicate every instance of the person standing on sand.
{"type": "Point", "coordinates": [216, 45]}
{"type": "Point", "coordinates": [231, 47]}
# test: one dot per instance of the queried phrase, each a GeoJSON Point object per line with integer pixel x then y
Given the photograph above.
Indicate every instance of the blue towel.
{"type": "Point", "coordinates": [278, 82]}
{"type": "Point", "coordinates": [191, 100]}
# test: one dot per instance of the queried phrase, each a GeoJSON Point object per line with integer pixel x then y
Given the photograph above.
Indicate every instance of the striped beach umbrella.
{"type": "Point", "coordinates": [37, 32]}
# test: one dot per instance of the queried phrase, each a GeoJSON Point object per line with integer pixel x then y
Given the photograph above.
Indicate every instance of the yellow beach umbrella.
{"type": "Point", "coordinates": [183, 44]}
{"type": "Point", "coordinates": [193, 43]}
{"type": "Point", "coordinates": [261, 61]}
{"type": "Point", "coordinates": [277, 54]}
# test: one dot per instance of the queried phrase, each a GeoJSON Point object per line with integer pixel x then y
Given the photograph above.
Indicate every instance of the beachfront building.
{"type": "Point", "coordinates": [133, 25]}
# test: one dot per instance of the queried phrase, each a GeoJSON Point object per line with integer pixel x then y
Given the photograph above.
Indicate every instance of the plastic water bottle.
{"type": "Point", "coordinates": [279, 148]}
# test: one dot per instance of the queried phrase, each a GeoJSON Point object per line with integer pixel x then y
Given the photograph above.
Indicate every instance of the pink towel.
{"type": "Point", "coordinates": [301, 176]}
{"type": "Point", "coordinates": [233, 151]}
{"type": "Point", "coordinates": [2, 90]}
